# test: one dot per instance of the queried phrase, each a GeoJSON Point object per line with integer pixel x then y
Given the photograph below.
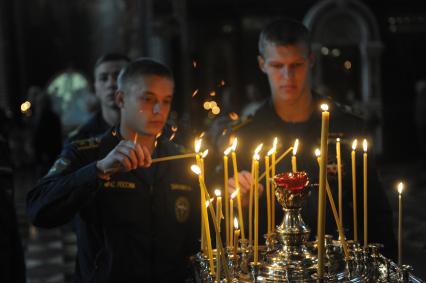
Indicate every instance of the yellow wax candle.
{"type": "Point", "coordinates": [400, 189]}
{"type": "Point", "coordinates": [322, 189]}
{"type": "Point", "coordinates": [268, 197]}
{"type": "Point", "coordinates": [197, 147]}
{"type": "Point", "coordinates": [205, 218]}
{"type": "Point", "coordinates": [334, 210]}
{"type": "Point", "coordinates": [365, 195]}
{"type": "Point", "coordinates": [226, 192]}
{"type": "Point", "coordinates": [273, 166]}
{"type": "Point", "coordinates": [237, 184]}
{"type": "Point", "coordinates": [339, 180]}
{"type": "Point", "coordinates": [293, 158]}
{"type": "Point", "coordinates": [218, 218]}
{"type": "Point", "coordinates": [353, 159]}
{"type": "Point", "coordinates": [236, 236]}
{"type": "Point", "coordinates": [251, 200]}
{"type": "Point", "coordinates": [256, 209]}
{"type": "Point", "coordinates": [231, 215]}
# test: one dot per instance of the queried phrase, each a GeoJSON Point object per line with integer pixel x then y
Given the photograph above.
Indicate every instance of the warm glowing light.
{"type": "Point", "coordinates": [364, 145]}
{"type": "Point", "coordinates": [354, 144]}
{"type": "Point", "coordinates": [400, 187]}
{"type": "Point", "coordinates": [317, 152]}
{"type": "Point", "coordinates": [215, 110]}
{"type": "Point", "coordinates": [205, 153]}
{"type": "Point", "coordinates": [275, 143]}
{"type": "Point", "coordinates": [174, 128]}
{"type": "Point", "coordinates": [25, 106]}
{"type": "Point", "coordinates": [325, 50]}
{"type": "Point", "coordinates": [235, 223]}
{"type": "Point", "coordinates": [296, 146]}
{"type": "Point", "coordinates": [201, 135]}
{"type": "Point", "coordinates": [222, 83]}
{"type": "Point", "coordinates": [347, 65]}
{"type": "Point", "coordinates": [213, 104]}
{"type": "Point", "coordinates": [194, 64]}
{"type": "Point", "coordinates": [195, 93]}
{"type": "Point", "coordinates": [324, 107]}
{"type": "Point", "coordinates": [234, 144]}
{"type": "Point", "coordinates": [217, 192]}
{"type": "Point", "coordinates": [227, 151]}
{"type": "Point", "coordinates": [196, 169]}
{"type": "Point", "coordinates": [272, 150]}
{"type": "Point", "coordinates": [213, 93]}
{"type": "Point", "coordinates": [233, 116]}
{"type": "Point", "coordinates": [207, 105]}
{"type": "Point", "coordinates": [338, 140]}
{"type": "Point", "coordinates": [208, 202]}
{"type": "Point", "coordinates": [234, 194]}
{"type": "Point", "coordinates": [172, 136]}
{"type": "Point", "coordinates": [197, 145]}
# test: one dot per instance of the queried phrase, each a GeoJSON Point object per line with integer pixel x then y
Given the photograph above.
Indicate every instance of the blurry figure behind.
{"type": "Point", "coordinates": [47, 135]}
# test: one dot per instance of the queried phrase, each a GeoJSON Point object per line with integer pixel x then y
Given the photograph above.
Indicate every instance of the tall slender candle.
{"type": "Point", "coordinates": [273, 166]}
{"type": "Point", "coordinates": [293, 158]}
{"type": "Point", "coordinates": [400, 189]}
{"type": "Point", "coordinates": [322, 188]}
{"type": "Point", "coordinates": [268, 191]}
{"type": "Point", "coordinates": [364, 144]}
{"type": "Point", "coordinates": [231, 215]}
{"type": "Point", "coordinates": [339, 180]}
{"type": "Point", "coordinates": [251, 202]}
{"type": "Point", "coordinates": [218, 218]}
{"type": "Point", "coordinates": [236, 236]}
{"type": "Point", "coordinates": [196, 169]}
{"type": "Point", "coordinates": [355, 208]}
{"type": "Point", "coordinates": [226, 193]}
{"type": "Point", "coordinates": [237, 184]}
{"type": "Point", "coordinates": [197, 147]}
{"type": "Point", "coordinates": [256, 207]}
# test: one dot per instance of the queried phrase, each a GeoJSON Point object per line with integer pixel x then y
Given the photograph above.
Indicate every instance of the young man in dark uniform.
{"type": "Point", "coordinates": [293, 111]}
{"type": "Point", "coordinates": [137, 221]}
{"type": "Point", "coordinates": [106, 71]}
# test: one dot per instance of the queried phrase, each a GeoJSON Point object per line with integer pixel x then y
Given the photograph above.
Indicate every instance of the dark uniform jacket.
{"type": "Point", "coordinates": [266, 124]}
{"type": "Point", "coordinates": [140, 226]}
{"type": "Point", "coordinates": [95, 126]}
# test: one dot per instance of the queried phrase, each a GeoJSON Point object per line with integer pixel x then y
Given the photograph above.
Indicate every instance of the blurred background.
{"type": "Point", "coordinates": [370, 55]}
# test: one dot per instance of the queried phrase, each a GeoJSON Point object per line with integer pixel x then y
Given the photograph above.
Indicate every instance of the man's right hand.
{"type": "Point", "coordinates": [245, 181]}
{"type": "Point", "coordinates": [124, 157]}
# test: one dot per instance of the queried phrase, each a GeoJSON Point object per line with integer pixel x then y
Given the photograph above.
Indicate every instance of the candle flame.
{"type": "Point", "coordinates": [274, 144]}
{"type": "Point", "coordinates": [338, 140]}
{"type": "Point", "coordinates": [233, 116]}
{"type": "Point", "coordinates": [196, 169]}
{"type": "Point", "coordinates": [213, 93]}
{"type": "Point", "coordinates": [234, 194]}
{"type": "Point", "coordinates": [208, 202]}
{"type": "Point", "coordinates": [234, 144]}
{"type": "Point", "coordinates": [197, 145]}
{"type": "Point", "coordinates": [272, 150]}
{"type": "Point", "coordinates": [174, 128]}
{"type": "Point", "coordinates": [324, 107]}
{"type": "Point", "coordinates": [296, 146]}
{"type": "Point", "coordinates": [258, 148]}
{"type": "Point", "coordinates": [235, 223]}
{"type": "Point", "coordinates": [195, 92]}
{"type": "Point", "coordinates": [364, 145]}
{"type": "Point", "coordinates": [227, 151]}
{"type": "Point", "coordinates": [205, 153]}
{"type": "Point", "coordinates": [354, 144]}
{"type": "Point", "coordinates": [317, 152]}
{"type": "Point", "coordinates": [25, 106]}
{"type": "Point", "coordinates": [217, 192]}
{"type": "Point", "coordinates": [400, 187]}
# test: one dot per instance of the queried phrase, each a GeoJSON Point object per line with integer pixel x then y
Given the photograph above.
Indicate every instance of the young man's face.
{"type": "Point", "coordinates": [106, 81]}
{"type": "Point", "coordinates": [287, 68]}
{"type": "Point", "coordinates": [146, 104]}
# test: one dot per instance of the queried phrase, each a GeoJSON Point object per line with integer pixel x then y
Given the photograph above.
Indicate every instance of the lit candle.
{"type": "Point", "coordinates": [268, 190]}
{"type": "Point", "coordinates": [339, 180]}
{"type": "Point", "coordinates": [256, 158]}
{"type": "Point", "coordinates": [196, 169]}
{"type": "Point", "coordinates": [218, 217]}
{"type": "Point", "coordinates": [273, 166]}
{"type": "Point", "coordinates": [251, 200]}
{"type": "Point", "coordinates": [197, 147]}
{"type": "Point", "coordinates": [237, 184]}
{"type": "Point", "coordinates": [400, 189]}
{"type": "Point", "coordinates": [236, 236]}
{"type": "Point", "coordinates": [226, 192]}
{"type": "Point", "coordinates": [231, 215]}
{"type": "Point", "coordinates": [364, 145]}
{"type": "Point", "coordinates": [293, 158]}
{"type": "Point", "coordinates": [322, 189]}
{"type": "Point", "coordinates": [353, 158]}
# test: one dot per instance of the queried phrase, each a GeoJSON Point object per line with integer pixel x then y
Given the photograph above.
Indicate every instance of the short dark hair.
{"type": "Point", "coordinates": [284, 32]}
{"type": "Point", "coordinates": [108, 57]}
{"type": "Point", "coordinates": [142, 67]}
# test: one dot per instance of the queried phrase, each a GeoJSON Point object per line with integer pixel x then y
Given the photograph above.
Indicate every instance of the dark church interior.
{"type": "Point", "coordinates": [369, 56]}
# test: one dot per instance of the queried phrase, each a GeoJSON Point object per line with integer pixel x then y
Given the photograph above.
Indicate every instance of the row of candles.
{"type": "Point", "coordinates": [234, 227]}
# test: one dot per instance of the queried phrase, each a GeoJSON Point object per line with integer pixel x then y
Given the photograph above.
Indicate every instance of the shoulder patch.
{"type": "Point", "coordinates": [59, 166]}
{"type": "Point", "coordinates": [182, 209]}
{"type": "Point", "coordinates": [86, 143]}
{"type": "Point", "coordinates": [180, 187]}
